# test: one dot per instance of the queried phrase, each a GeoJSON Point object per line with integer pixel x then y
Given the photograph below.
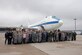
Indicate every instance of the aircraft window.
{"type": "Point", "coordinates": [53, 16]}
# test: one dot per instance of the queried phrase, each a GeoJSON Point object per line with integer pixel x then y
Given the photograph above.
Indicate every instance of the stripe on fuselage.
{"type": "Point", "coordinates": [52, 22]}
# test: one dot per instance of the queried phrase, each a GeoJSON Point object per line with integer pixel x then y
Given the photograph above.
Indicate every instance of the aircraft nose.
{"type": "Point", "coordinates": [61, 22]}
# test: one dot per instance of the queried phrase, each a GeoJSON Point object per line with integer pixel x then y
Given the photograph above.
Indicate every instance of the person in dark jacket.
{"type": "Point", "coordinates": [10, 36]}
{"type": "Point", "coordinates": [34, 36]}
{"type": "Point", "coordinates": [59, 35]}
{"type": "Point", "coordinates": [6, 37]}
{"type": "Point", "coordinates": [74, 36]}
{"type": "Point", "coordinates": [66, 34]}
{"type": "Point", "coordinates": [44, 36]}
{"type": "Point", "coordinates": [30, 36]}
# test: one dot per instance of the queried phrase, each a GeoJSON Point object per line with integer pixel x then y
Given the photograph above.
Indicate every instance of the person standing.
{"type": "Point", "coordinates": [34, 36]}
{"type": "Point", "coordinates": [54, 35]}
{"type": "Point", "coordinates": [69, 36]}
{"type": "Point", "coordinates": [24, 36]}
{"type": "Point", "coordinates": [72, 36]}
{"type": "Point", "coordinates": [59, 35]}
{"type": "Point", "coordinates": [40, 37]}
{"type": "Point", "coordinates": [6, 37]}
{"type": "Point", "coordinates": [66, 36]}
{"type": "Point", "coordinates": [51, 36]}
{"type": "Point", "coordinates": [30, 36]}
{"type": "Point", "coordinates": [19, 37]}
{"type": "Point", "coordinates": [27, 36]}
{"type": "Point", "coordinates": [75, 35]}
{"type": "Point", "coordinates": [44, 35]}
{"type": "Point", "coordinates": [37, 36]}
{"type": "Point", "coordinates": [63, 36]}
{"type": "Point", "coordinates": [10, 36]}
{"type": "Point", "coordinates": [15, 36]}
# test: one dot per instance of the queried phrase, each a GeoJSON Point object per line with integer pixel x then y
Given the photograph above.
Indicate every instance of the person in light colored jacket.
{"type": "Point", "coordinates": [24, 37]}
{"type": "Point", "coordinates": [15, 37]}
{"type": "Point", "coordinates": [20, 37]}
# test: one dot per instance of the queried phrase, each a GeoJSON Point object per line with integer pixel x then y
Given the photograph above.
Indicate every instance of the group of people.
{"type": "Point", "coordinates": [36, 36]}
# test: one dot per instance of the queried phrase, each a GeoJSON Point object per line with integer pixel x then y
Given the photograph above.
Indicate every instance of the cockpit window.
{"type": "Point", "coordinates": [55, 17]}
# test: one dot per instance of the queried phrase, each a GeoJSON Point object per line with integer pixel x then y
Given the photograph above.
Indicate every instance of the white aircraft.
{"type": "Point", "coordinates": [48, 23]}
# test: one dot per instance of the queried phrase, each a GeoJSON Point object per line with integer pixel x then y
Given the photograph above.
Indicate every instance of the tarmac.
{"type": "Point", "coordinates": [47, 48]}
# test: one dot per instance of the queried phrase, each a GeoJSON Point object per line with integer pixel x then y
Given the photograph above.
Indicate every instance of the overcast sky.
{"type": "Point", "coordinates": [20, 12]}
